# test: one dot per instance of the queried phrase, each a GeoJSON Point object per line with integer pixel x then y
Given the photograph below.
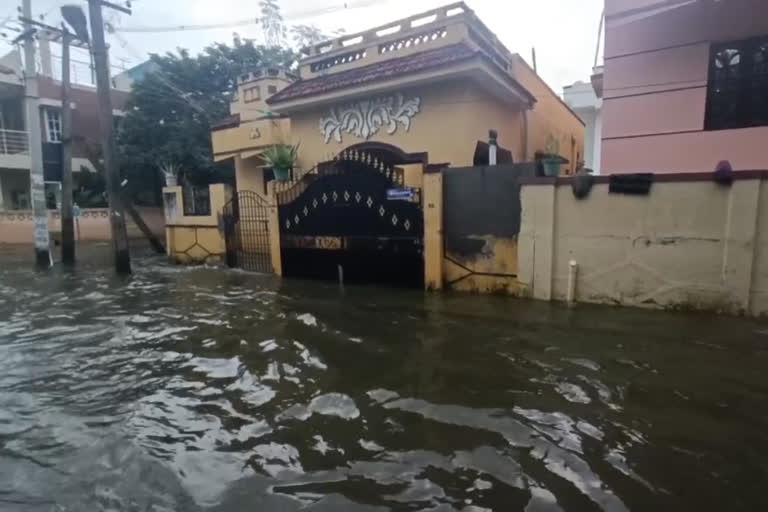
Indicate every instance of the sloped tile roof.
{"type": "Point", "coordinates": [232, 121]}
{"type": "Point", "coordinates": [388, 69]}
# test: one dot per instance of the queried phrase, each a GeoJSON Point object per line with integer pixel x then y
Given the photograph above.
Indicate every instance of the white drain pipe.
{"type": "Point", "coordinates": [573, 270]}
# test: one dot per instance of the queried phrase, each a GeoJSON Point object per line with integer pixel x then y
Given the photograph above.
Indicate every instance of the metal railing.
{"type": "Point", "coordinates": [14, 142]}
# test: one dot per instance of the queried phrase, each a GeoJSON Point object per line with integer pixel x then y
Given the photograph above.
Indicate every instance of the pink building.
{"type": "Point", "coordinates": [685, 85]}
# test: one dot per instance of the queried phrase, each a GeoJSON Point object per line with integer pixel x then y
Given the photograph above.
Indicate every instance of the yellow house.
{"type": "Point", "coordinates": [377, 116]}
{"type": "Point", "coordinates": [434, 84]}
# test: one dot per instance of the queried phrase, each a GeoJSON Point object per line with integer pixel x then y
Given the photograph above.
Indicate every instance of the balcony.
{"type": "Point", "coordinates": [444, 26]}
{"type": "Point", "coordinates": [447, 43]}
{"type": "Point", "coordinates": [248, 139]}
{"type": "Point", "coordinates": [14, 149]}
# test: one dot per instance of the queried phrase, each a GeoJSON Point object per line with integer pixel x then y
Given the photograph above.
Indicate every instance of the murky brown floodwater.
{"type": "Point", "coordinates": [194, 389]}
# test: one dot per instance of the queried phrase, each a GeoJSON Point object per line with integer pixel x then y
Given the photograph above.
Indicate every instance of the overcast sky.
{"type": "Point", "coordinates": [564, 32]}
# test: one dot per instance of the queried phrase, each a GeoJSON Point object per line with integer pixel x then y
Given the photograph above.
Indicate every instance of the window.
{"type": "Point", "coordinates": [53, 125]}
{"type": "Point", "coordinates": [52, 195]}
{"type": "Point", "coordinates": [272, 89]}
{"type": "Point", "coordinates": [20, 200]}
{"type": "Point", "coordinates": [252, 94]}
{"type": "Point", "coordinates": [197, 201]}
{"type": "Point", "coordinates": [737, 93]}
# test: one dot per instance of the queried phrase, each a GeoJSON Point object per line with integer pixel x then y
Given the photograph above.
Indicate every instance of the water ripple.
{"type": "Point", "coordinates": [200, 389]}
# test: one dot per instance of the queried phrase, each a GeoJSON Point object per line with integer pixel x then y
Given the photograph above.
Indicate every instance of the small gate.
{"type": "Point", "coordinates": [246, 232]}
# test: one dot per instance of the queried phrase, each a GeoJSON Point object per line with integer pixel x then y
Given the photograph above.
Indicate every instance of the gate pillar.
{"type": "Point", "coordinates": [432, 203]}
{"type": "Point", "coordinates": [274, 230]}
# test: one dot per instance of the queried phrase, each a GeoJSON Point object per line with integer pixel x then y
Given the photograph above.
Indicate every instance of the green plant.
{"type": "Point", "coordinates": [89, 189]}
{"type": "Point", "coordinates": [551, 159]}
{"type": "Point", "coordinates": [281, 158]}
{"type": "Point", "coordinates": [170, 170]}
{"type": "Point", "coordinates": [552, 146]}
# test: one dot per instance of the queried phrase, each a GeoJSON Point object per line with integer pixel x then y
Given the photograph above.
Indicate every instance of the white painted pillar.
{"type": "Point", "coordinates": [597, 140]}
{"type": "Point", "coordinates": [536, 240]}
{"type": "Point", "coordinates": [589, 138]}
{"type": "Point", "coordinates": [740, 240]}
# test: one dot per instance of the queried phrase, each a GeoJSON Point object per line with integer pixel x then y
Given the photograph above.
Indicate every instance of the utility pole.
{"type": "Point", "coordinates": [67, 225]}
{"type": "Point", "coordinates": [116, 210]}
{"type": "Point", "coordinates": [32, 111]}
{"type": "Point", "coordinates": [67, 222]}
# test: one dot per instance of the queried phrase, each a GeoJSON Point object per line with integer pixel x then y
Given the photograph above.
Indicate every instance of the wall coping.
{"type": "Point", "coordinates": [657, 178]}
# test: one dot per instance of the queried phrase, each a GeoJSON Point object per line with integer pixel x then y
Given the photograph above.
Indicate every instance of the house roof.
{"type": "Point", "coordinates": [232, 121]}
{"type": "Point", "coordinates": [387, 69]}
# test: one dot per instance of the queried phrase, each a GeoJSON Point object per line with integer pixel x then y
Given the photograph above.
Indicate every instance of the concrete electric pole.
{"type": "Point", "coordinates": [67, 222]}
{"type": "Point", "coordinates": [116, 210]}
{"type": "Point", "coordinates": [32, 111]}
{"type": "Point", "coordinates": [75, 14]}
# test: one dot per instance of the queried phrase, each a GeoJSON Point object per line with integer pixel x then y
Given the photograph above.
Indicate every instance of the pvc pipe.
{"type": "Point", "coordinates": [573, 269]}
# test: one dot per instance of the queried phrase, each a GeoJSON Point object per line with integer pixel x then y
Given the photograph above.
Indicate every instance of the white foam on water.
{"type": "Point", "coordinates": [307, 319]}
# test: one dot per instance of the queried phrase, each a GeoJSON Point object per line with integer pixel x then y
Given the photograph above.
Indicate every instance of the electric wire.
{"type": "Point", "coordinates": [247, 21]}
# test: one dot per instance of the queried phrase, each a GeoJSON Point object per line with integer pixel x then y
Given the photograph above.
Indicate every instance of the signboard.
{"type": "Point", "coordinates": [312, 242]}
{"type": "Point", "coordinates": [400, 194]}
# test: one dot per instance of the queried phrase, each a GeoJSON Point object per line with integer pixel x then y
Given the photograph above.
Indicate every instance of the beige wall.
{"type": "Point", "coordinates": [550, 116]}
{"type": "Point", "coordinates": [249, 174]}
{"type": "Point", "coordinates": [251, 135]}
{"type": "Point", "coordinates": [195, 239]}
{"type": "Point", "coordinates": [689, 244]}
{"type": "Point", "coordinates": [453, 117]}
{"type": "Point", "coordinates": [655, 87]}
{"type": "Point", "coordinates": [17, 227]}
{"type": "Point", "coordinates": [255, 109]}
{"type": "Point", "coordinates": [492, 270]}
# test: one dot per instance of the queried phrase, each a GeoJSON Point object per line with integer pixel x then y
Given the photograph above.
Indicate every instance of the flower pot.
{"type": "Point", "coordinates": [170, 181]}
{"type": "Point", "coordinates": [551, 166]}
{"type": "Point", "coordinates": [282, 174]}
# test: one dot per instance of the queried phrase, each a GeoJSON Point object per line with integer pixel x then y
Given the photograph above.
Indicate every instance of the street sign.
{"type": "Point", "coordinates": [400, 194]}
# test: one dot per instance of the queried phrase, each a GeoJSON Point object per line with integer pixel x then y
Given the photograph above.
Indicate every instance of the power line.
{"type": "Point", "coordinates": [247, 21]}
{"type": "Point", "coordinates": [181, 28]}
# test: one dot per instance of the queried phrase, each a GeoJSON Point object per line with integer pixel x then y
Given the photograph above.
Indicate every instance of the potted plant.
{"type": "Point", "coordinates": [281, 158]}
{"type": "Point", "coordinates": [551, 159]}
{"type": "Point", "coordinates": [170, 172]}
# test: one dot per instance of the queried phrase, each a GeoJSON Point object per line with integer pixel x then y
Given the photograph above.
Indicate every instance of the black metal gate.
{"type": "Point", "coordinates": [246, 232]}
{"type": "Point", "coordinates": [354, 214]}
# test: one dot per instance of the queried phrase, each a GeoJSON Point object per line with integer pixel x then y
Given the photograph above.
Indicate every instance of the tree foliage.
{"type": "Point", "coordinates": [170, 111]}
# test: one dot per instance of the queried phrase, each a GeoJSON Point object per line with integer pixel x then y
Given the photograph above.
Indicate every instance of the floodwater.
{"type": "Point", "coordinates": [196, 389]}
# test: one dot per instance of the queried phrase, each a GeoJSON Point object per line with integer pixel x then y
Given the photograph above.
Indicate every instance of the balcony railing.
{"type": "Point", "coordinates": [14, 142]}
{"type": "Point", "coordinates": [443, 26]}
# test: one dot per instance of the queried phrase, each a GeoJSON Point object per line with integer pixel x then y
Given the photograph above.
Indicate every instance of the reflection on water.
{"type": "Point", "coordinates": [204, 390]}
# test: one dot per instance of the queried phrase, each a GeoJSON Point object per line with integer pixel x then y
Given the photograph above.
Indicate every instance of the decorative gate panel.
{"type": "Point", "coordinates": [246, 231]}
{"type": "Point", "coordinates": [354, 214]}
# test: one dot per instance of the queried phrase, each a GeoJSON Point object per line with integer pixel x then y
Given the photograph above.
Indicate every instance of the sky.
{"type": "Point", "coordinates": [564, 32]}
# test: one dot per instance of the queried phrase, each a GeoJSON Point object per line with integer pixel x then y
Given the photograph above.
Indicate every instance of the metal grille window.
{"type": "Point", "coordinates": [737, 94]}
{"type": "Point", "coordinates": [197, 201]}
{"type": "Point", "coordinates": [53, 125]}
